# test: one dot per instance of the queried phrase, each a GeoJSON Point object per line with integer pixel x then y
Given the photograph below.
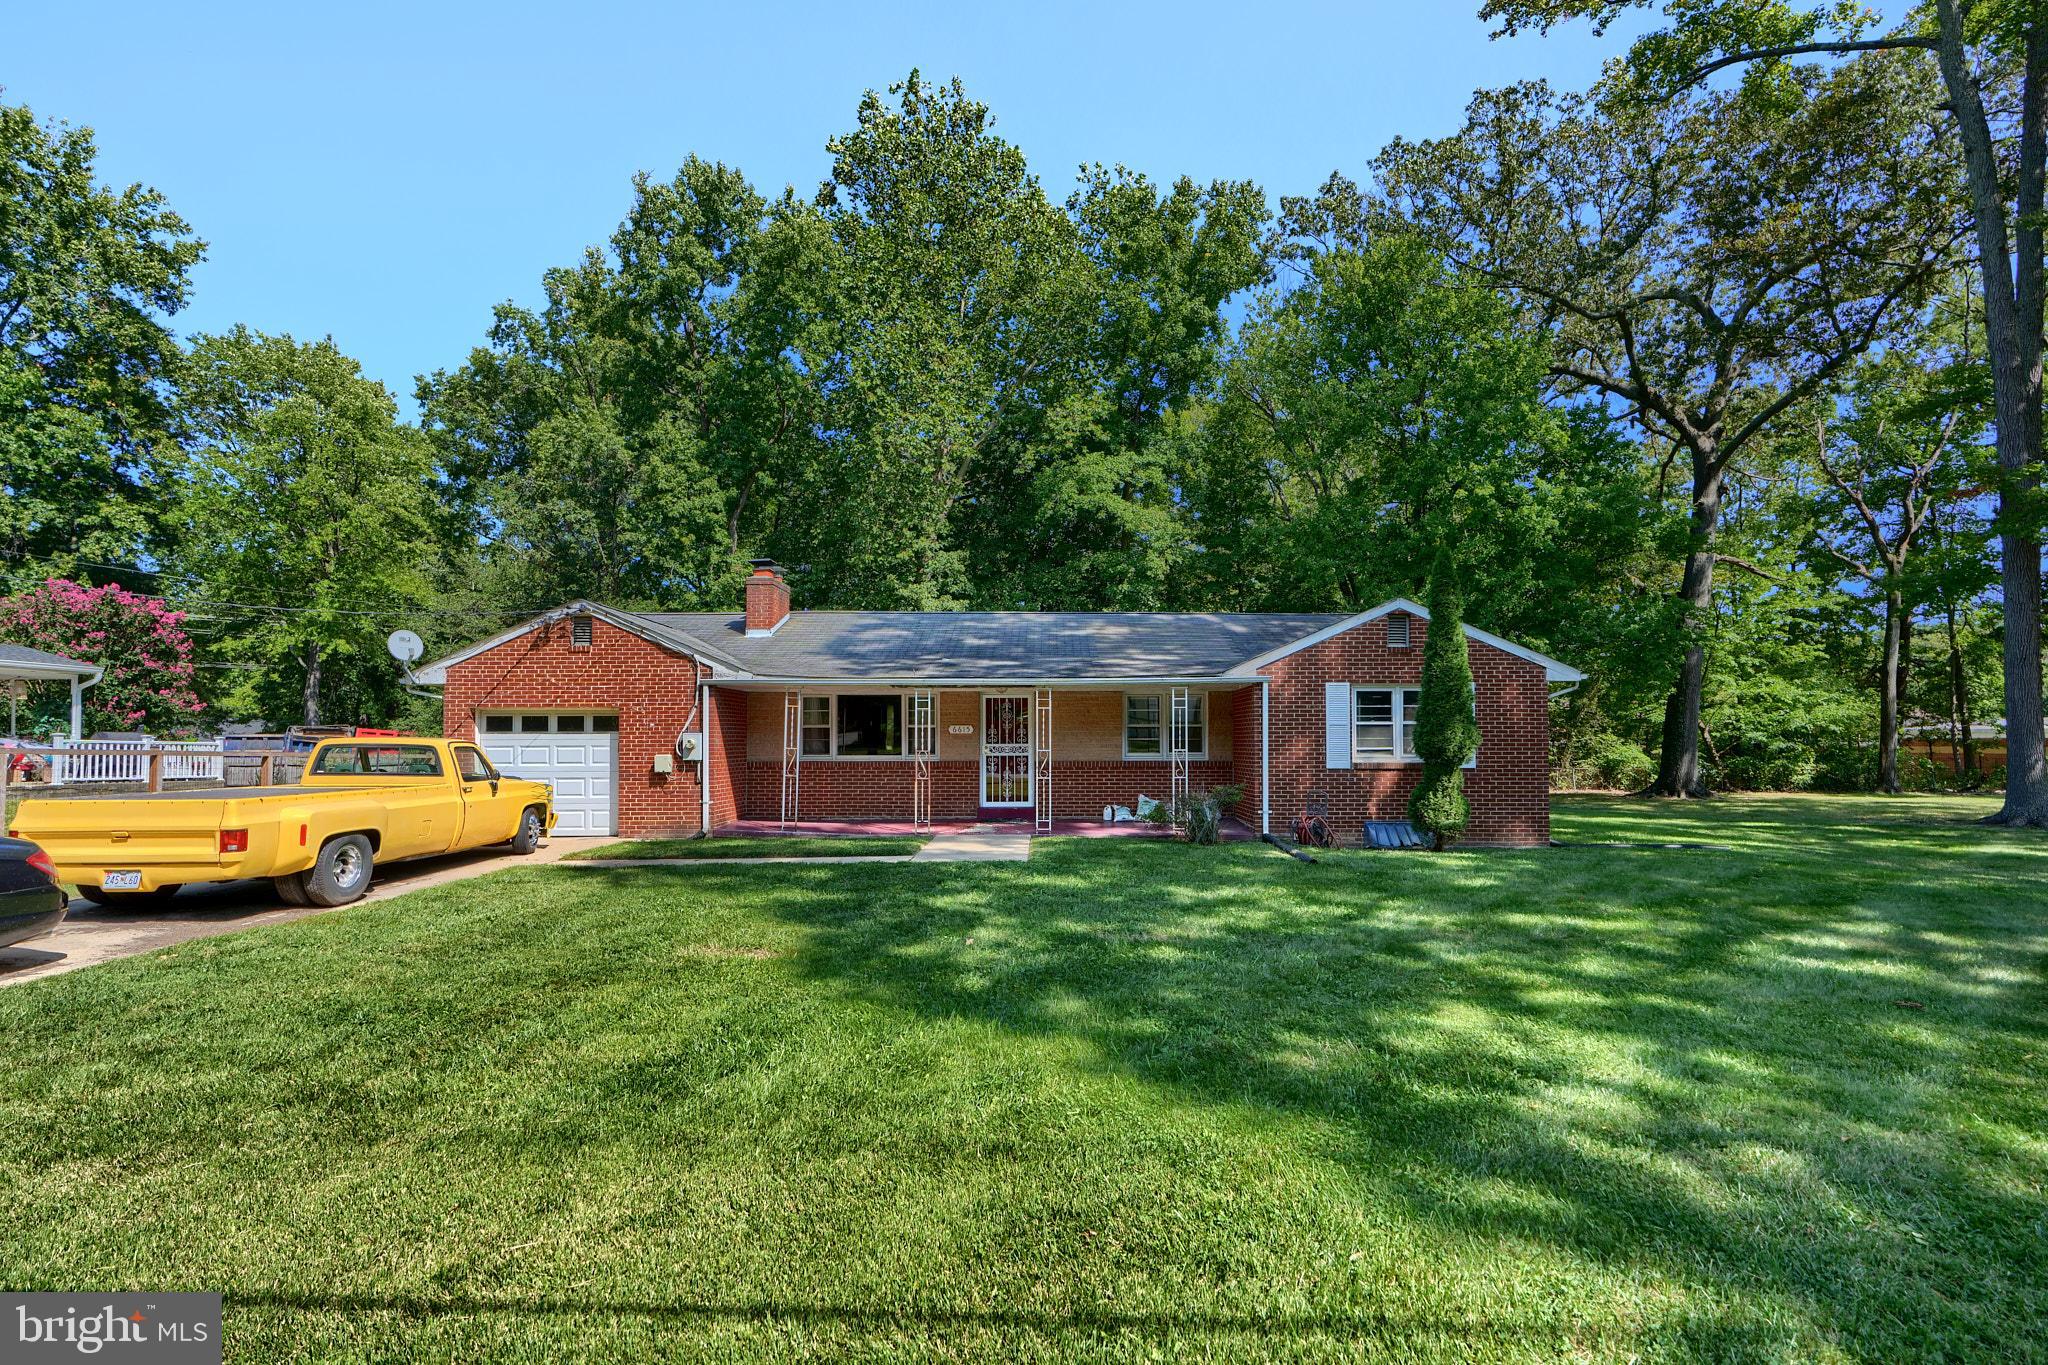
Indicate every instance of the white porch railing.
{"type": "Point", "coordinates": [127, 760]}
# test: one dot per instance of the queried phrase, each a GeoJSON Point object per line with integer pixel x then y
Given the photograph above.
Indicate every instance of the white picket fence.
{"type": "Point", "coordinates": [118, 760]}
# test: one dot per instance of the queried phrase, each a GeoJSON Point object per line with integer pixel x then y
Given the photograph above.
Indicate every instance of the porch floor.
{"type": "Point", "coordinates": [1233, 829]}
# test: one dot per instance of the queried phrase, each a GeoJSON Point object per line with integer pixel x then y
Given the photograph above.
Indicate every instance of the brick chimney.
{"type": "Point", "coordinates": [767, 598]}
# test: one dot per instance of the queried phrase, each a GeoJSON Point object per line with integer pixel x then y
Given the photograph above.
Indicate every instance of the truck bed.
{"type": "Point", "coordinates": [223, 793]}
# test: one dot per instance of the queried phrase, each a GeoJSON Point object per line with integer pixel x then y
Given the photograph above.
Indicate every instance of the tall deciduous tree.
{"type": "Point", "coordinates": [88, 275]}
{"type": "Point", "coordinates": [961, 288]}
{"type": "Point", "coordinates": [1377, 396]}
{"type": "Point", "coordinates": [627, 440]}
{"type": "Point", "coordinates": [1992, 61]}
{"type": "Point", "coordinates": [1896, 453]}
{"type": "Point", "coordinates": [305, 514]}
{"type": "Point", "coordinates": [1706, 262]}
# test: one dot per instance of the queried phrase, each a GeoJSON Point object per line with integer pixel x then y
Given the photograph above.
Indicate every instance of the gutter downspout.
{"type": "Point", "coordinates": [1266, 756]}
{"type": "Point", "coordinates": [78, 700]}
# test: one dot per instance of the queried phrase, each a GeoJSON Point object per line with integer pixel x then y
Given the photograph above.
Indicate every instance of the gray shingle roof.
{"type": "Point", "coordinates": [994, 644]}
{"type": "Point", "coordinates": [41, 659]}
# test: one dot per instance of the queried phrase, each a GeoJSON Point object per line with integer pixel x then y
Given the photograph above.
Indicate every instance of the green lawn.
{"type": "Point", "coordinates": [762, 846]}
{"type": "Point", "coordinates": [1128, 1100]}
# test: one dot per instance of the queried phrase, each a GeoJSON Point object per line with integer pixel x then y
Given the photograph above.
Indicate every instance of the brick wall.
{"type": "Point", "coordinates": [1088, 772]}
{"type": "Point", "coordinates": [1509, 789]}
{"type": "Point", "coordinates": [649, 687]}
{"type": "Point", "coordinates": [1244, 767]}
{"type": "Point", "coordinates": [726, 735]}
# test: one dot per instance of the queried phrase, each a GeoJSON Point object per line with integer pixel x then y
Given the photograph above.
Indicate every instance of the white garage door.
{"type": "Point", "coordinates": [570, 753]}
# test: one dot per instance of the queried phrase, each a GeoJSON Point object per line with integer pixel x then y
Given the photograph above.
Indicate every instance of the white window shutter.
{"type": "Point", "coordinates": [1336, 725]}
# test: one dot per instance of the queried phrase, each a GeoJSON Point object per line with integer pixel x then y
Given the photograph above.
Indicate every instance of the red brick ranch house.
{"type": "Point", "coordinates": [677, 722]}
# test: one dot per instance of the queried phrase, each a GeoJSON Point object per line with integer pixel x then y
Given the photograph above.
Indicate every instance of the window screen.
{"type": "Point", "coordinates": [1375, 722]}
{"type": "Point", "coordinates": [817, 725]}
{"type": "Point", "coordinates": [1142, 732]}
{"type": "Point", "coordinates": [1386, 722]}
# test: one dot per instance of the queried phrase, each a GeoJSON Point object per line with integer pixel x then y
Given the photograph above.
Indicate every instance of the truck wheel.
{"type": "Point", "coordinates": [291, 889]}
{"type": "Point", "coordinates": [133, 900]}
{"type": "Point", "coordinates": [531, 826]}
{"type": "Point", "coordinates": [343, 872]}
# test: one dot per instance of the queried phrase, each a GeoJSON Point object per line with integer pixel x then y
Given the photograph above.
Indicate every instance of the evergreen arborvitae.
{"type": "Point", "coordinates": [1446, 732]}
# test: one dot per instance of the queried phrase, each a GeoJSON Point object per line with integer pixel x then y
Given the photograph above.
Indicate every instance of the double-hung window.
{"type": "Point", "coordinates": [817, 725]}
{"type": "Point", "coordinates": [1148, 720]}
{"type": "Point", "coordinates": [1383, 724]}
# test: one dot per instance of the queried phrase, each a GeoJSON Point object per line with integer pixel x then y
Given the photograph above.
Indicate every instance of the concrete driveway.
{"type": "Point", "coordinates": [93, 933]}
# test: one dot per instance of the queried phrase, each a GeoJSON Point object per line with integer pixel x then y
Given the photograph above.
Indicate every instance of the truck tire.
{"type": "Point", "coordinates": [133, 900]}
{"type": "Point", "coordinates": [343, 872]}
{"type": "Point", "coordinates": [291, 888]}
{"type": "Point", "coordinates": [532, 825]}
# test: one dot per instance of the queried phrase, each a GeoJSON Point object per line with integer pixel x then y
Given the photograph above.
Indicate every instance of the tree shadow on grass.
{"type": "Point", "coordinates": [1743, 1071]}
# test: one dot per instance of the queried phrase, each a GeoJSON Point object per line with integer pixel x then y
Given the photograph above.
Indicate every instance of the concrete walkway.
{"type": "Point", "coordinates": [92, 933]}
{"type": "Point", "coordinates": [971, 844]}
{"type": "Point", "coordinates": [977, 844]}
{"type": "Point", "coordinates": [828, 860]}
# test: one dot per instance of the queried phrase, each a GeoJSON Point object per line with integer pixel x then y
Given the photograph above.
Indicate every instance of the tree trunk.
{"type": "Point", "coordinates": [2012, 271]}
{"type": "Point", "coordinates": [1678, 759]}
{"type": "Point", "coordinates": [1890, 687]}
{"type": "Point", "coordinates": [312, 693]}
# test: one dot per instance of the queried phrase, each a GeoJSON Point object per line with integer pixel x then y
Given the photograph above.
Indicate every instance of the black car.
{"type": "Point", "coordinates": [31, 902]}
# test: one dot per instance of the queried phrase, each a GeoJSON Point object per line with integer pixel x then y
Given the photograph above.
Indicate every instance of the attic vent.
{"type": "Point", "coordinates": [1397, 630]}
{"type": "Point", "coordinates": [579, 632]}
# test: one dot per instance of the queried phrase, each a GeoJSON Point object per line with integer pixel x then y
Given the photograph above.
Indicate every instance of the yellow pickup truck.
{"type": "Point", "coordinates": [360, 802]}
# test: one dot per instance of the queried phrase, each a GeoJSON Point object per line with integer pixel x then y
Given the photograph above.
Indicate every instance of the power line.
{"type": "Point", "coordinates": [384, 612]}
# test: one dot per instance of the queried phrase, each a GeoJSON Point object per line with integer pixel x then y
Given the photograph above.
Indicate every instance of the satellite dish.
{"type": "Point", "coordinates": [404, 646]}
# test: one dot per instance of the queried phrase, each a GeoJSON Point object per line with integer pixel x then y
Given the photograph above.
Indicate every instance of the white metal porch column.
{"type": "Point", "coordinates": [792, 754]}
{"type": "Point", "coordinates": [1041, 762]}
{"type": "Point", "coordinates": [1177, 749]}
{"type": "Point", "coordinates": [923, 741]}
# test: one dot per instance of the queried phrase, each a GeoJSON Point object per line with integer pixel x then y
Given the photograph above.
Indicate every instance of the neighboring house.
{"type": "Point", "coordinates": [669, 722]}
{"type": "Point", "coordinates": [1934, 740]}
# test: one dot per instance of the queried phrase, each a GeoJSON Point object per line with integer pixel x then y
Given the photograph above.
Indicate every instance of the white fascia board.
{"type": "Point", "coordinates": [1553, 670]}
{"type": "Point", "coordinates": [846, 684]}
{"type": "Point", "coordinates": [436, 673]}
{"type": "Point", "coordinates": [85, 672]}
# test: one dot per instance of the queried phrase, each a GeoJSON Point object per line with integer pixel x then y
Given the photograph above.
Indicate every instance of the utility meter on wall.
{"type": "Point", "coordinates": [690, 745]}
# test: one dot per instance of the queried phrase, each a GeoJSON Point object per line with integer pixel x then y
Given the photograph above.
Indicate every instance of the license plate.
{"type": "Point", "coordinates": [121, 881]}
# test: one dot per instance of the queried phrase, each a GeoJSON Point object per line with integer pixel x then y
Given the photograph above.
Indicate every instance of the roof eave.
{"type": "Point", "coordinates": [435, 674]}
{"type": "Point", "coordinates": [1554, 670]}
{"type": "Point", "coordinates": [984, 681]}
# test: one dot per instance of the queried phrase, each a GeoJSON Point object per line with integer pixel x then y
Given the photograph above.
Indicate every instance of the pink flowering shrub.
{"type": "Point", "coordinates": [139, 641]}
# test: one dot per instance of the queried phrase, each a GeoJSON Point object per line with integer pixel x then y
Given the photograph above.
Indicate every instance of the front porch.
{"type": "Point", "coordinates": [1234, 829]}
{"type": "Point", "coordinates": [1049, 760]}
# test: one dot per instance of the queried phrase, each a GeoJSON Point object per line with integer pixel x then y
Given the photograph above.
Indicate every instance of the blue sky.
{"type": "Point", "coordinates": [387, 173]}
